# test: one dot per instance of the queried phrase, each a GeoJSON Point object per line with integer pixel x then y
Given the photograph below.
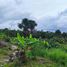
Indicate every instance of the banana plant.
{"type": "Point", "coordinates": [26, 43]}
{"type": "Point", "coordinates": [21, 40]}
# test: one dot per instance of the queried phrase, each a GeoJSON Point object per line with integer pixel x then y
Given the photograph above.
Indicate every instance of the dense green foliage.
{"type": "Point", "coordinates": [27, 26]}
{"type": "Point", "coordinates": [38, 49]}
{"type": "Point", "coordinates": [55, 51]}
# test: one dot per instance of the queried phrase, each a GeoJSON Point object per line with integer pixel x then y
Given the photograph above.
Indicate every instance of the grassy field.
{"type": "Point", "coordinates": [46, 55]}
{"type": "Point", "coordinates": [50, 58]}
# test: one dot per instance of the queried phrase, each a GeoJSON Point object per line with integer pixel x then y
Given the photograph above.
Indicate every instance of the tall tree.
{"type": "Point", "coordinates": [58, 32]}
{"type": "Point", "coordinates": [27, 25]}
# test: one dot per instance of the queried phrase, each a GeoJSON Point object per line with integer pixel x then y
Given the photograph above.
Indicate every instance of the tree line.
{"type": "Point", "coordinates": [28, 27]}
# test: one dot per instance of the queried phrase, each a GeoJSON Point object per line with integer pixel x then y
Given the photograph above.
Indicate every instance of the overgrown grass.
{"type": "Point", "coordinates": [55, 52]}
{"type": "Point", "coordinates": [57, 55]}
{"type": "Point", "coordinates": [33, 63]}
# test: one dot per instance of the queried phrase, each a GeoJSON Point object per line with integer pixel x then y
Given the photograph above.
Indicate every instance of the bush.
{"type": "Point", "coordinates": [54, 44]}
{"type": "Point", "coordinates": [7, 39]}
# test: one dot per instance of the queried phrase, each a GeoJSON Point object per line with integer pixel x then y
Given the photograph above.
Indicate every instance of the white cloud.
{"type": "Point", "coordinates": [12, 11]}
{"type": "Point", "coordinates": [54, 23]}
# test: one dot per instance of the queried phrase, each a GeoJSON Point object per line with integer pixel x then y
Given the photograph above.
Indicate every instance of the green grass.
{"type": "Point", "coordinates": [52, 57]}
{"type": "Point", "coordinates": [58, 56]}
{"type": "Point", "coordinates": [35, 63]}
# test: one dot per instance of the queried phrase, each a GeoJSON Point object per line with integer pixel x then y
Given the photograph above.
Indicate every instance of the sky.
{"type": "Point", "coordinates": [49, 14]}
